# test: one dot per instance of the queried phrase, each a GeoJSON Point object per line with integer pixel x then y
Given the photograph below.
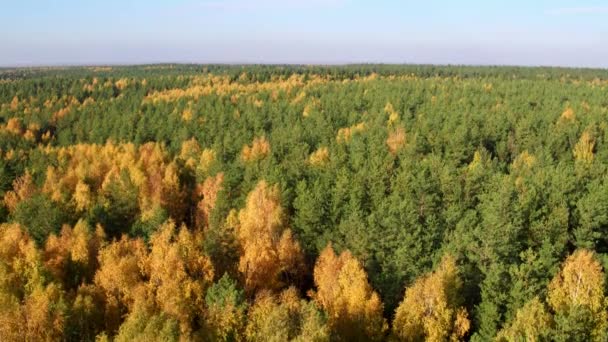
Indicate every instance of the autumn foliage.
{"type": "Point", "coordinates": [431, 309]}
{"type": "Point", "coordinates": [354, 309]}
{"type": "Point", "coordinates": [270, 254]}
{"type": "Point", "coordinates": [303, 203]}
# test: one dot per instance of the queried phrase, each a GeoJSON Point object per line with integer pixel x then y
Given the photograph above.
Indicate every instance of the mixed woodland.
{"type": "Point", "coordinates": [303, 203]}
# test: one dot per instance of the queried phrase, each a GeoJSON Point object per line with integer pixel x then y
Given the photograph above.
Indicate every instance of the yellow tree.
{"type": "Point", "coordinates": [532, 323]}
{"type": "Point", "coordinates": [122, 273]}
{"type": "Point", "coordinates": [259, 149]}
{"type": "Point", "coordinates": [354, 309]}
{"type": "Point", "coordinates": [577, 292]}
{"type": "Point", "coordinates": [284, 318]}
{"type": "Point", "coordinates": [269, 253]}
{"type": "Point", "coordinates": [180, 273]}
{"type": "Point", "coordinates": [207, 192]}
{"type": "Point", "coordinates": [319, 157]}
{"type": "Point", "coordinates": [431, 308]}
{"type": "Point", "coordinates": [73, 252]}
{"type": "Point", "coordinates": [31, 308]}
{"type": "Point", "coordinates": [144, 323]}
{"type": "Point", "coordinates": [583, 150]}
{"type": "Point", "coordinates": [23, 188]}
{"type": "Point", "coordinates": [395, 139]}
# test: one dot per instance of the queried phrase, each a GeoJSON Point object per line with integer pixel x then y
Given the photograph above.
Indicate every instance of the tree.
{"type": "Point", "coordinates": [354, 309]}
{"type": "Point", "coordinates": [72, 256]}
{"type": "Point", "coordinates": [286, 318]}
{"type": "Point", "coordinates": [532, 323]}
{"type": "Point", "coordinates": [31, 307]}
{"type": "Point", "coordinates": [87, 312]}
{"type": "Point", "coordinates": [431, 309]}
{"type": "Point", "coordinates": [225, 314]}
{"type": "Point", "coordinates": [583, 151]}
{"type": "Point", "coordinates": [145, 324]}
{"type": "Point", "coordinates": [40, 216]}
{"type": "Point", "coordinates": [122, 273]}
{"type": "Point", "coordinates": [270, 255]}
{"type": "Point", "coordinates": [180, 273]}
{"type": "Point", "coordinates": [208, 193]}
{"type": "Point", "coordinates": [120, 207]}
{"type": "Point", "coordinates": [576, 295]}
{"type": "Point", "coordinates": [259, 149]}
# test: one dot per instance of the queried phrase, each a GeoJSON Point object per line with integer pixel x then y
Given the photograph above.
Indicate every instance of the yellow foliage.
{"type": "Point", "coordinates": [121, 83]}
{"type": "Point", "coordinates": [58, 115]}
{"type": "Point", "coordinates": [524, 161]}
{"type": "Point", "coordinates": [29, 135]}
{"type": "Point", "coordinates": [478, 161]}
{"type": "Point", "coordinates": [52, 185]}
{"type": "Point", "coordinates": [354, 309]}
{"type": "Point", "coordinates": [122, 270]}
{"type": "Point", "coordinates": [187, 114]}
{"type": "Point", "coordinates": [583, 151]}
{"type": "Point", "coordinates": [301, 96]}
{"type": "Point", "coordinates": [319, 157]}
{"type": "Point", "coordinates": [23, 188]}
{"type": "Point", "coordinates": [345, 134]}
{"type": "Point", "coordinates": [206, 159]}
{"type": "Point", "coordinates": [46, 136]}
{"type": "Point", "coordinates": [180, 273]}
{"type": "Point", "coordinates": [580, 282]}
{"type": "Point", "coordinates": [13, 125]}
{"type": "Point", "coordinates": [258, 103]}
{"type": "Point", "coordinates": [532, 323]}
{"type": "Point", "coordinates": [74, 250]}
{"type": "Point", "coordinates": [431, 308]}
{"type": "Point", "coordinates": [393, 115]}
{"type": "Point", "coordinates": [306, 111]}
{"type": "Point", "coordinates": [284, 318]}
{"type": "Point", "coordinates": [14, 103]}
{"type": "Point", "coordinates": [268, 248]}
{"type": "Point", "coordinates": [151, 174]}
{"type": "Point", "coordinates": [30, 310]}
{"type": "Point", "coordinates": [44, 318]}
{"type": "Point", "coordinates": [396, 140]}
{"type": "Point", "coordinates": [173, 196]}
{"type": "Point", "coordinates": [568, 115]}
{"type": "Point", "coordinates": [82, 196]}
{"type": "Point", "coordinates": [190, 150]}
{"type": "Point", "coordinates": [22, 267]}
{"type": "Point", "coordinates": [208, 192]}
{"type": "Point", "coordinates": [586, 106]}
{"type": "Point", "coordinates": [259, 149]}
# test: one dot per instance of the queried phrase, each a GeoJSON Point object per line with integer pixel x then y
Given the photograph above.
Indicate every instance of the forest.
{"type": "Point", "coordinates": [303, 203]}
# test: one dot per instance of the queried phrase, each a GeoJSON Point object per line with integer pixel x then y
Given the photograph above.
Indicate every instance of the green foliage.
{"type": "Point", "coordinates": [40, 216]}
{"type": "Point", "coordinates": [145, 227]}
{"type": "Point", "coordinates": [501, 167]}
{"type": "Point", "coordinates": [226, 306]}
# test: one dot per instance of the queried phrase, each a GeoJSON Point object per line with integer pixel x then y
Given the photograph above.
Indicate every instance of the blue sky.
{"type": "Point", "coordinates": [515, 32]}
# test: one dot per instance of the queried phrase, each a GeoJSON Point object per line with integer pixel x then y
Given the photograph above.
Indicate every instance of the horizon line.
{"type": "Point", "coordinates": [307, 64]}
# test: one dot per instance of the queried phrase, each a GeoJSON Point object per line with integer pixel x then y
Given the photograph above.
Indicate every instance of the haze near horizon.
{"type": "Point", "coordinates": [69, 32]}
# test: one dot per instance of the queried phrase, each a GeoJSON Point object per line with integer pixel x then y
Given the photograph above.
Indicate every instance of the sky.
{"type": "Point", "coordinates": [509, 32]}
